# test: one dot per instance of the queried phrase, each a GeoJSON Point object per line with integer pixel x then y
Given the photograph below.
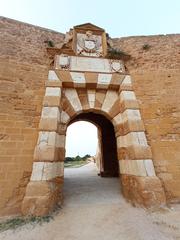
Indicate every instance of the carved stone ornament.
{"type": "Point", "coordinates": [89, 44]}
{"type": "Point", "coordinates": [68, 36]}
{"type": "Point", "coordinates": [117, 66]}
{"type": "Point", "coordinates": [64, 61]}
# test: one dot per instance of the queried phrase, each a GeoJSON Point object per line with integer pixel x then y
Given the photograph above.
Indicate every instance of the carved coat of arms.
{"type": "Point", "coordinates": [89, 44]}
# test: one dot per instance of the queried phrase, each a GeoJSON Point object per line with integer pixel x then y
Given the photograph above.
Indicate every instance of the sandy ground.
{"type": "Point", "coordinates": [95, 209]}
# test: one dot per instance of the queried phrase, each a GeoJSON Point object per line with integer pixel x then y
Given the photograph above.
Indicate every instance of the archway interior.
{"type": "Point", "coordinates": [108, 162]}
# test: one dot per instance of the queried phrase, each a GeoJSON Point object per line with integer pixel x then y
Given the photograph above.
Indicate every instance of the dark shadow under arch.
{"type": "Point", "coordinates": [109, 165]}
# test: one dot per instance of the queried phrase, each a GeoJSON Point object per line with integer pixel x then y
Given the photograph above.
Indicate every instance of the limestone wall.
{"type": "Point", "coordinates": [156, 75]}
{"type": "Point", "coordinates": [24, 67]}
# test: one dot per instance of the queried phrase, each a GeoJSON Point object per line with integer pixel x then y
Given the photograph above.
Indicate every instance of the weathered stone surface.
{"type": "Point", "coordinates": [64, 117]}
{"type": "Point", "coordinates": [43, 171]}
{"type": "Point", "coordinates": [52, 76]}
{"type": "Point", "coordinates": [24, 66]}
{"type": "Point", "coordinates": [143, 191]}
{"type": "Point", "coordinates": [52, 97]}
{"type": "Point", "coordinates": [137, 167]}
{"type": "Point", "coordinates": [104, 80]}
{"type": "Point", "coordinates": [41, 197]}
{"type": "Point", "coordinates": [50, 118]}
{"type": "Point", "coordinates": [89, 64]}
{"type": "Point", "coordinates": [48, 145]}
{"type": "Point", "coordinates": [127, 95]}
{"type": "Point", "coordinates": [67, 107]}
{"type": "Point", "coordinates": [91, 98]}
{"type": "Point", "coordinates": [100, 95]}
{"type": "Point", "coordinates": [73, 98]}
{"type": "Point", "coordinates": [129, 126]}
{"type": "Point", "coordinates": [110, 98]}
{"type": "Point", "coordinates": [132, 138]}
{"type": "Point", "coordinates": [134, 152]}
{"type": "Point", "coordinates": [128, 104]}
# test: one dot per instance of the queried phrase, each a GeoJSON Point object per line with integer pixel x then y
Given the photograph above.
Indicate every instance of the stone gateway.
{"type": "Point", "coordinates": [130, 93]}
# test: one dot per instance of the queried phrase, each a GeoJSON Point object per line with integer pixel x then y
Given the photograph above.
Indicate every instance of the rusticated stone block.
{"type": "Point", "coordinates": [52, 97]}
{"type": "Point", "coordinates": [64, 119]}
{"type": "Point", "coordinates": [41, 197]}
{"type": "Point", "coordinates": [132, 138]}
{"type": "Point", "coordinates": [104, 80]}
{"type": "Point", "coordinates": [115, 109]}
{"type": "Point", "coordinates": [72, 96]}
{"type": "Point", "coordinates": [47, 170]}
{"type": "Point", "coordinates": [67, 107]}
{"type": "Point", "coordinates": [48, 146]}
{"type": "Point", "coordinates": [129, 126]}
{"type": "Point", "coordinates": [91, 95]}
{"type": "Point", "coordinates": [116, 80]}
{"type": "Point", "coordinates": [100, 95]}
{"type": "Point", "coordinates": [52, 76]}
{"type": "Point", "coordinates": [126, 115]}
{"type": "Point", "coordinates": [127, 95]}
{"type": "Point", "coordinates": [128, 104]}
{"type": "Point", "coordinates": [137, 167]}
{"type": "Point", "coordinates": [110, 98]}
{"type": "Point", "coordinates": [46, 153]}
{"type": "Point", "coordinates": [83, 97]}
{"type": "Point", "coordinates": [134, 152]}
{"type": "Point", "coordinates": [143, 191]}
{"type": "Point", "coordinates": [50, 118]}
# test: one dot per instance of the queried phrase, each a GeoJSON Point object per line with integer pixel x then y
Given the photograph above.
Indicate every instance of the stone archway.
{"type": "Point", "coordinates": [84, 80]}
{"type": "Point", "coordinates": [108, 164]}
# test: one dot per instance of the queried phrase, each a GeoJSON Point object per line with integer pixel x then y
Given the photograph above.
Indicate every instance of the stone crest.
{"type": "Point", "coordinates": [89, 44]}
{"type": "Point", "coordinates": [116, 66]}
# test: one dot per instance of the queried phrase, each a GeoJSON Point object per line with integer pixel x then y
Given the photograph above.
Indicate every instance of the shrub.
{"type": "Point", "coordinates": [50, 43]}
{"type": "Point", "coordinates": [146, 46]}
{"type": "Point", "coordinates": [115, 53]}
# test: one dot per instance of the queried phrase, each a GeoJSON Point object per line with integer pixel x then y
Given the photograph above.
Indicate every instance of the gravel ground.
{"type": "Point", "coordinates": [95, 209]}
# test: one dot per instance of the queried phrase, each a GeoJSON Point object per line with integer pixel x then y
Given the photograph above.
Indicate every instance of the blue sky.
{"type": "Point", "coordinates": [118, 17]}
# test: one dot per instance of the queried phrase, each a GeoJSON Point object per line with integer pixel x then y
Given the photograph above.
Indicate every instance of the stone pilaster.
{"type": "Point", "coordinates": [140, 184]}
{"type": "Point", "coordinates": [44, 190]}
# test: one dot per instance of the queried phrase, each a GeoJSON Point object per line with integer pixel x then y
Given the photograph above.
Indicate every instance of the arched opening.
{"type": "Point", "coordinates": [81, 139]}
{"type": "Point", "coordinates": [107, 161]}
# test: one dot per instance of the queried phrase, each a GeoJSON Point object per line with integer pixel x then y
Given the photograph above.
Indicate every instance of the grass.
{"type": "Point", "coordinates": [75, 164]}
{"type": "Point", "coordinates": [17, 222]}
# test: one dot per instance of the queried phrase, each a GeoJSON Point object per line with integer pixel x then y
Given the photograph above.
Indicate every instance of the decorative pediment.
{"type": "Point", "coordinates": [88, 40]}
{"type": "Point", "coordinates": [89, 26]}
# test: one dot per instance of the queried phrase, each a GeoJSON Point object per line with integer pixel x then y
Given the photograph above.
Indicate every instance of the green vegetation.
{"type": "Point", "coordinates": [14, 223]}
{"type": "Point", "coordinates": [115, 53]}
{"type": "Point", "coordinates": [77, 161]}
{"type": "Point", "coordinates": [146, 46]}
{"type": "Point", "coordinates": [50, 43]}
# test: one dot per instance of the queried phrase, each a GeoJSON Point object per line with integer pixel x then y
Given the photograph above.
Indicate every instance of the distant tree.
{"type": "Point", "coordinates": [68, 159]}
{"type": "Point", "coordinates": [86, 156]}
{"type": "Point", "coordinates": [77, 158]}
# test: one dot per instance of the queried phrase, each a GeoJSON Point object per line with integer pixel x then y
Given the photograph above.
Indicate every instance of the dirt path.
{"type": "Point", "coordinates": [95, 209]}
